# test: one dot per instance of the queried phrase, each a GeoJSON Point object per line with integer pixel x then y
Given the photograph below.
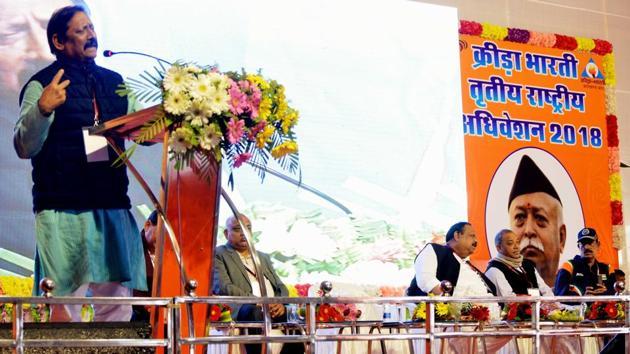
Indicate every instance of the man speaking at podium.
{"type": "Point", "coordinates": [87, 239]}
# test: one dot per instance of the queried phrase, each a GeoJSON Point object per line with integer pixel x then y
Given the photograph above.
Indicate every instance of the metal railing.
{"type": "Point", "coordinates": [536, 328]}
{"type": "Point", "coordinates": [307, 329]}
{"type": "Point", "coordinates": [19, 342]}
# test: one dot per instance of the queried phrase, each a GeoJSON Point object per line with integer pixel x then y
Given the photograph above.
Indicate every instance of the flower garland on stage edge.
{"type": "Point", "coordinates": [210, 115]}
{"type": "Point", "coordinates": [580, 44]}
{"type": "Point", "coordinates": [16, 286]}
{"type": "Point", "coordinates": [606, 310]}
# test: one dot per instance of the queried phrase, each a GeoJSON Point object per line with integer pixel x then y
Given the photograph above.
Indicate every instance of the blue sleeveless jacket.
{"type": "Point", "coordinates": [62, 177]}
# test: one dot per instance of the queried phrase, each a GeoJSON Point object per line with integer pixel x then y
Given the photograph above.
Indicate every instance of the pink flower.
{"type": "Point", "coordinates": [235, 130]}
{"type": "Point", "coordinates": [238, 100]}
{"type": "Point", "coordinates": [256, 129]}
{"type": "Point", "coordinates": [250, 99]}
{"type": "Point", "coordinates": [239, 159]}
{"type": "Point", "coordinates": [254, 101]}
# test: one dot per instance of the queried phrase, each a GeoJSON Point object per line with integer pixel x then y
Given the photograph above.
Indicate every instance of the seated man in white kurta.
{"type": "Point", "coordinates": [436, 263]}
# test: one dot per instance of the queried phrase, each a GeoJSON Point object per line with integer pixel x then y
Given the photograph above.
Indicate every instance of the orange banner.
{"type": "Point", "coordinates": [536, 151]}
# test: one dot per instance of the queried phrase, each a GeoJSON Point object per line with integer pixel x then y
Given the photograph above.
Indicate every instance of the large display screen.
{"type": "Point", "coordinates": [377, 85]}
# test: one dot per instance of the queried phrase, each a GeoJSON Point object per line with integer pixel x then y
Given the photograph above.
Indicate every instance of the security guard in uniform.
{"type": "Point", "coordinates": [584, 275]}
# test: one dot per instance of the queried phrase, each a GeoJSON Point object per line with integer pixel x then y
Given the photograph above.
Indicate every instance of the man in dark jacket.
{"type": "Point", "coordinates": [584, 275]}
{"type": "Point", "coordinates": [436, 263]}
{"type": "Point", "coordinates": [87, 239]}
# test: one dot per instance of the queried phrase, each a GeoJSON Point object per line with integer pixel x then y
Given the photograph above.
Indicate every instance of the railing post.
{"type": "Point", "coordinates": [174, 328]}
{"type": "Point", "coordinates": [536, 325]}
{"type": "Point", "coordinates": [311, 317]}
{"type": "Point", "coordinates": [191, 290]}
{"type": "Point", "coordinates": [18, 328]}
{"type": "Point", "coordinates": [168, 321]}
{"type": "Point", "coordinates": [429, 325]}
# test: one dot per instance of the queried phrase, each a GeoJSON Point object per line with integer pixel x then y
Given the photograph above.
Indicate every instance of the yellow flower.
{"type": "Point", "coordinates": [441, 310]}
{"type": "Point", "coordinates": [421, 311]}
{"type": "Point", "coordinates": [585, 44]}
{"type": "Point", "coordinates": [288, 147]}
{"type": "Point", "coordinates": [280, 93]}
{"type": "Point", "coordinates": [258, 80]}
{"type": "Point", "coordinates": [289, 120]}
{"type": "Point", "coordinates": [264, 136]}
{"type": "Point", "coordinates": [264, 111]}
{"type": "Point", "coordinates": [292, 291]}
{"type": "Point", "coordinates": [609, 69]}
{"type": "Point", "coordinates": [494, 32]}
{"type": "Point", "coordinates": [615, 187]}
{"type": "Point", "coordinates": [15, 286]}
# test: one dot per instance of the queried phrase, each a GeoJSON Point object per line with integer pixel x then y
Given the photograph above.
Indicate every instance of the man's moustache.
{"type": "Point", "coordinates": [91, 43]}
{"type": "Point", "coordinates": [532, 242]}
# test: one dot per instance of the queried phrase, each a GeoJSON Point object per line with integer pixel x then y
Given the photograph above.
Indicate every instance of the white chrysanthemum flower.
{"type": "Point", "coordinates": [198, 113]}
{"type": "Point", "coordinates": [200, 88]}
{"type": "Point", "coordinates": [210, 137]}
{"type": "Point", "coordinates": [177, 79]}
{"type": "Point", "coordinates": [178, 141]}
{"type": "Point", "coordinates": [219, 81]}
{"type": "Point", "coordinates": [176, 103]}
{"type": "Point", "coordinates": [192, 68]}
{"type": "Point", "coordinates": [219, 101]}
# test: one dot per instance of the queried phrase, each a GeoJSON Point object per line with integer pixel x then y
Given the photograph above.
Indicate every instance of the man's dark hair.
{"type": "Point", "coordinates": [619, 273]}
{"type": "Point", "coordinates": [499, 236]}
{"type": "Point", "coordinates": [58, 24]}
{"type": "Point", "coordinates": [458, 227]}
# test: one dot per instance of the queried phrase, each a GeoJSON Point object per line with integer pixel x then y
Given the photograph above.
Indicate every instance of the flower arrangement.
{"type": "Point", "coordinates": [474, 312]}
{"type": "Point", "coordinates": [302, 289]}
{"type": "Point", "coordinates": [565, 315]}
{"type": "Point", "coordinates": [32, 313]}
{"type": "Point", "coordinates": [220, 313]}
{"type": "Point", "coordinates": [15, 286]}
{"type": "Point", "coordinates": [237, 116]}
{"type": "Point", "coordinates": [292, 291]}
{"type": "Point", "coordinates": [517, 311]}
{"type": "Point", "coordinates": [20, 287]}
{"type": "Point", "coordinates": [442, 312]}
{"type": "Point", "coordinates": [299, 290]}
{"type": "Point", "coordinates": [606, 310]}
{"type": "Point", "coordinates": [337, 312]}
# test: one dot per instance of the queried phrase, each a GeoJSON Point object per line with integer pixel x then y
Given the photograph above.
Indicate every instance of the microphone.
{"type": "Point", "coordinates": [108, 53]}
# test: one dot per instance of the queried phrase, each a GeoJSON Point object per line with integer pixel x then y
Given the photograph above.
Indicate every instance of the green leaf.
{"type": "Point", "coordinates": [154, 127]}
{"type": "Point", "coordinates": [126, 155]}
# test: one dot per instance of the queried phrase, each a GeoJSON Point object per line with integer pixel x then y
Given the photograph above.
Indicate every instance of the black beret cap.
{"type": "Point", "coordinates": [530, 179]}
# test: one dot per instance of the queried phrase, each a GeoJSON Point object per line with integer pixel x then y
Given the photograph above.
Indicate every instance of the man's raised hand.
{"type": "Point", "coordinates": [54, 95]}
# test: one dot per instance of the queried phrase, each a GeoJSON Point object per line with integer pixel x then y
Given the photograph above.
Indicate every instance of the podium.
{"type": "Point", "coordinates": [188, 209]}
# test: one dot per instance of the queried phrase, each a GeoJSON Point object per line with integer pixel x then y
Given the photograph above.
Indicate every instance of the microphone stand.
{"type": "Point", "coordinates": [109, 53]}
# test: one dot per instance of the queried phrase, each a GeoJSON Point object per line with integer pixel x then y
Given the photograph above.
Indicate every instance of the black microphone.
{"type": "Point", "coordinates": [108, 53]}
